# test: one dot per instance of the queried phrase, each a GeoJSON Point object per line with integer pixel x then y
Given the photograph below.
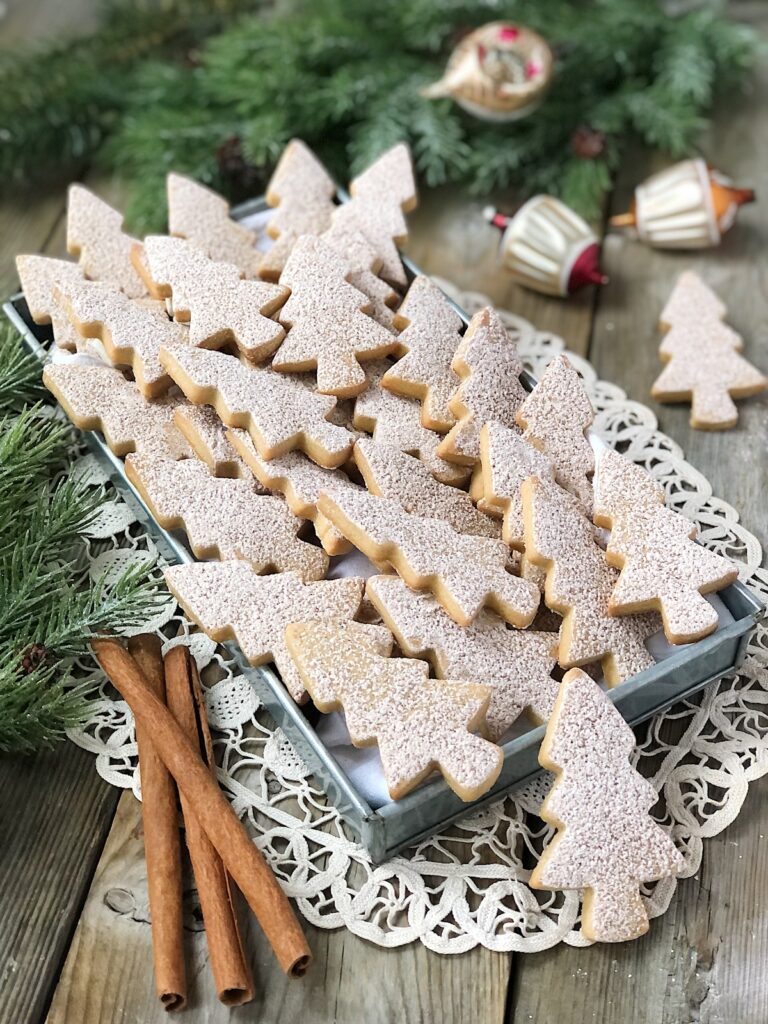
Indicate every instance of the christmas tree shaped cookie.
{"type": "Point", "coordinates": [515, 664]}
{"type": "Point", "coordinates": [329, 330]}
{"type": "Point", "coordinates": [300, 481]}
{"type": "Point", "coordinates": [218, 304]}
{"type": "Point", "coordinates": [556, 416]}
{"type": "Point", "coordinates": [229, 601]}
{"type": "Point", "coordinates": [662, 567]}
{"type": "Point", "coordinates": [380, 196]}
{"type": "Point", "coordinates": [464, 573]}
{"type": "Point", "coordinates": [396, 421]}
{"type": "Point", "coordinates": [489, 366]}
{"type": "Point", "coordinates": [607, 842]}
{"type": "Point", "coordinates": [507, 461]}
{"type": "Point", "coordinates": [207, 437]}
{"type": "Point", "coordinates": [39, 275]}
{"type": "Point", "coordinates": [390, 473]}
{"type": "Point", "coordinates": [302, 191]}
{"type": "Point", "coordinates": [280, 414]}
{"type": "Point", "coordinates": [130, 330]}
{"type": "Point", "coordinates": [95, 235]}
{"type": "Point", "coordinates": [430, 333]}
{"type": "Point", "coordinates": [363, 265]}
{"type": "Point", "coordinates": [202, 216]}
{"type": "Point", "coordinates": [419, 724]}
{"type": "Point", "coordinates": [579, 583]}
{"type": "Point", "coordinates": [704, 364]}
{"type": "Point", "coordinates": [100, 398]}
{"type": "Point", "coordinates": [224, 518]}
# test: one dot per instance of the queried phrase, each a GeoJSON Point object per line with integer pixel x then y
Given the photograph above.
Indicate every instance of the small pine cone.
{"type": "Point", "coordinates": [34, 656]}
{"type": "Point", "coordinates": [587, 143]}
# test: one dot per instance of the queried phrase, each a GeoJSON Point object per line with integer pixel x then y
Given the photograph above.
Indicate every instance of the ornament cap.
{"type": "Point", "coordinates": [499, 220]}
{"type": "Point", "coordinates": [586, 269]}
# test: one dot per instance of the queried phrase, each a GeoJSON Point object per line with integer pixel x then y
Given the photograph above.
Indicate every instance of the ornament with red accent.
{"type": "Point", "coordinates": [687, 206]}
{"type": "Point", "coordinates": [547, 247]}
{"type": "Point", "coordinates": [499, 72]}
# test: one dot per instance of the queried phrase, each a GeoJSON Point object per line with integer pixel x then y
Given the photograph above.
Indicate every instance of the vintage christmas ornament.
{"type": "Point", "coordinates": [548, 247]}
{"type": "Point", "coordinates": [686, 206]}
{"type": "Point", "coordinates": [499, 72]}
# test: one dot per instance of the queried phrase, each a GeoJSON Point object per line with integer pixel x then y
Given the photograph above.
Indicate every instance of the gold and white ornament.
{"type": "Point", "coordinates": [499, 72]}
{"type": "Point", "coordinates": [686, 206]}
{"type": "Point", "coordinates": [548, 248]}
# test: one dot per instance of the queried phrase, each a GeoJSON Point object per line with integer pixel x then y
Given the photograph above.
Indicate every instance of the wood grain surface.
{"type": "Point", "coordinates": [74, 931]}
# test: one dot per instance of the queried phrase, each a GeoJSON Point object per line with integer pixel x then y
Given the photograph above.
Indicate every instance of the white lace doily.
{"type": "Point", "coordinates": [468, 886]}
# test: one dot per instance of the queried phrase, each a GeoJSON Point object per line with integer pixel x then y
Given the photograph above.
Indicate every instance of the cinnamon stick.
{"type": "Point", "coordinates": [231, 973]}
{"type": "Point", "coordinates": [162, 850]}
{"type": "Point", "coordinates": [240, 856]}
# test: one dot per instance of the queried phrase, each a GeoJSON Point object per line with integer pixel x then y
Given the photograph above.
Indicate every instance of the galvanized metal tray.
{"type": "Point", "coordinates": [385, 830]}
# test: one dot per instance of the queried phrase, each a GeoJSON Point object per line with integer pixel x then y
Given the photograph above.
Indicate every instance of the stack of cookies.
{"type": "Point", "coordinates": [287, 404]}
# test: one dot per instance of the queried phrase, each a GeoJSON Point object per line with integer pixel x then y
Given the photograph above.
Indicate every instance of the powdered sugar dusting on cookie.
{"type": "Point", "coordinates": [95, 235]}
{"type": "Point", "coordinates": [100, 398]}
{"type": "Point", "coordinates": [131, 330]}
{"type": "Point", "coordinates": [419, 724]}
{"type": "Point", "coordinates": [607, 842]}
{"type": "Point", "coordinates": [515, 664]}
{"type": "Point", "coordinates": [279, 414]}
{"type": "Point", "coordinates": [661, 566]}
{"type": "Point", "coordinates": [225, 518]}
{"type": "Point", "coordinates": [300, 481]}
{"type": "Point", "coordinates": [430, 333]}
{"type": "Point", "coordinates": [507, 462]}
{"type": "Point", "coordinates": [464, 573]}
{"type": "Point", "coordinates": [302, 191]}
{"type": "Point", "coordinates": [229, 601]}
{"type": "Point", "coordinates": [391, 473]}
{"type": "Point", "coordinates": [39, 275]}
{"type": "Point", "coordinates": [488, 363]}
{"type": "Point", "coordinates": [207, 436]}
{"type": "Point", "coordinates": [579, 585]}
{"type": "Point", "coordinates": [218, 304]}
{"type": "Point", "coordinates": [202, 216]}
{"type": "Point", "coordinates": [329, 332]}
{"type": "Point", "coordinates": [362, 265]}
{"type": "Point", "coordinates": [556, 416]}
{"type": "Point", "coordinates": [395, 420]}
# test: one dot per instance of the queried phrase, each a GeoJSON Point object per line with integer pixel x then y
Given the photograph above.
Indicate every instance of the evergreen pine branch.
{"type": "Point", "coordinates": [37, 707]}
{"type": "Point", "coordinates": [20, 377]}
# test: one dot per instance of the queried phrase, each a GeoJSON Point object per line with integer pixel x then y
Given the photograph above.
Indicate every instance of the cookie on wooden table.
{"type": "Point", "coordinates": [95, 236]}
{"type": "Point", "coordinates": [202, 216]}
{"type": "Point", "coordinates": [579, 584]}
{"type": "Point", "coordinates": [279, 414]}
{"type": "Point", "coordinates": [662, 567]}
{"type": "Point", "coordinates": [329, 329]}
{"type": "Point", "coordinates": [390, 473]}
{"type": "Point", "coordinates": [219, 306]}
{"type": "Point", "coordinates": [229, 601]}
{"type": "Point", "coordinates": [39, 275]}
{"type": "Point", "coordinates": [100, 398]}
{"type": "Point", "coordinates": [302, 191]}
{"type": "Point", "coordinates": [607, 843]}
{"type": "Point", "coordinates": [420, 725]}
{"type": "Point", "coordinates": [225, 518]}
{"type": "Point", "coordinates": [300, 481]}
{"type": "Point", "coordinates": [555, 417]}
{"type": "Point", "coordinates": [131, 331]}
{"type": "Point", "coordinates": [430, 332]}
{"type": "Point", "coordinates": [464, 573]}
{"type": "Point", "coordinates": [488, 363]}
{"type": "Point", "coordinates": [395, 420]}
{"type": "Point", "coordinates": [515, 664]}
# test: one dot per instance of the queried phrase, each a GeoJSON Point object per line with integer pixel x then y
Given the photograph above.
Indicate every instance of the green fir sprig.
{"type": "Point", "coordinates": [214, 90]}
{"type": "Point", "coordinates": [49, 608]}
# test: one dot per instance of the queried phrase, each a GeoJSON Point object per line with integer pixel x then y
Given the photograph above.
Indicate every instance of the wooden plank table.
{"type": "Point", "coordinates": [74, 937]}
